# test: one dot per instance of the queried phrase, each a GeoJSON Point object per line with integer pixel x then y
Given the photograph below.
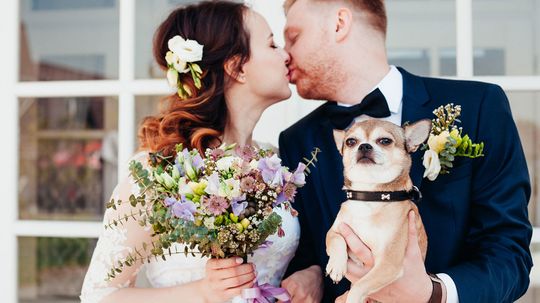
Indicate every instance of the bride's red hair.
{"type": "Point", "coordinates": [198, 121]}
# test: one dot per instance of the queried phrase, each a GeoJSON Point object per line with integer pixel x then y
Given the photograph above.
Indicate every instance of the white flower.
{"type": "Point", "coordinates": [187, 50]}
{"type": "Point", "coordinates": [254, 164]}
{"type": "Point", "coordinates": [209, 222]}
{"type": "Point", "coordinates": [172, 77]}
{"type": "Point", "coordinates": [168, 181]}
{"type": "Point", "coordinates": [225, 163]}
{"type": "Point", "coordinates": [230, 189]}
{"type": "Point", "coordinates": [183, 187]}
{"type": "Point", "coordinates": [432, 165]}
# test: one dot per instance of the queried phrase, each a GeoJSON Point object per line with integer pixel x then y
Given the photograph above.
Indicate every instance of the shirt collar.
{"type": "Point", "coordinates": [391, 87]}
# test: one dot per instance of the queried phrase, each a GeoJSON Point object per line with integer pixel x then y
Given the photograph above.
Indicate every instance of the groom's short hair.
{"type": "Point", "coordinates": [375, 9]}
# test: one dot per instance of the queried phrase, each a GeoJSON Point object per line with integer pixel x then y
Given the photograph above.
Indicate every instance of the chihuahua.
{"type": "Point", "coordinates": [380, 195]}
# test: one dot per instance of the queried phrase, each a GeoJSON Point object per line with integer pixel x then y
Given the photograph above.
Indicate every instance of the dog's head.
{"type": "Point", "coordinates": [377, 152]}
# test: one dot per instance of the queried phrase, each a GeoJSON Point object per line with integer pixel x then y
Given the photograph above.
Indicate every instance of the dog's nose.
{"type": "Point", "coordinates": [365, 147]}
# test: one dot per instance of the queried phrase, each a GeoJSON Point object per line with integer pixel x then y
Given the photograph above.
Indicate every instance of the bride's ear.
{"type": "Point", "coordinates": [233, 70]}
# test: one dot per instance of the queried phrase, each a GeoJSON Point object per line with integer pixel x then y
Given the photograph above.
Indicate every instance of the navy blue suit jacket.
{"type": "Point", "coordinates": [475, 217]}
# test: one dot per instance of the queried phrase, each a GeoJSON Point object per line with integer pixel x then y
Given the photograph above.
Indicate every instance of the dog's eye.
{"type": "Point", "coordinates": [351, 142]}
{"type": "Point", "coordinates": [385, 141]}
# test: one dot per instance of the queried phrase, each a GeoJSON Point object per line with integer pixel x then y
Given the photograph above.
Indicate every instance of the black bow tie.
{"type": "Point", "coordinates": [373, 105]}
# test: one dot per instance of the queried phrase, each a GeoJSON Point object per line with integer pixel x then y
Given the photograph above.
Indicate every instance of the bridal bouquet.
{"type": "Point", "coordinates": [220, 205]}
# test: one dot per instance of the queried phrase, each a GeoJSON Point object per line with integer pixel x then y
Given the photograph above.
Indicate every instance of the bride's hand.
{"type": "Point", "coordinates": [226, 278]}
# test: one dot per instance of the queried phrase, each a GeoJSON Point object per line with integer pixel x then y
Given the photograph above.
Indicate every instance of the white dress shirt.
{"type": "Point", "coordinates": [391, 87]}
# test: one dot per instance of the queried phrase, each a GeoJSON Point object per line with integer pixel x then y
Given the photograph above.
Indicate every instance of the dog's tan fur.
{"type": "Point", "coordinates": [382, 226]}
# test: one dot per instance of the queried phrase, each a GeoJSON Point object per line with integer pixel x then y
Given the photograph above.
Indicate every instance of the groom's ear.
{"type": "Point", "coordinates": [344, 21]}
{"type": "Point", "coordinates": [234, 70]}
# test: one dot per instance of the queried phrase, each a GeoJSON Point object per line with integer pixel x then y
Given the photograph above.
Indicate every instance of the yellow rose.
{"type": "Point", "coordinates": [436, 143]}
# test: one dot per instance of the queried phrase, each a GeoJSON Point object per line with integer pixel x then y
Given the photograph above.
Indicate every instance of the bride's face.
{"type": "Point", "coordinates": [266, 72]}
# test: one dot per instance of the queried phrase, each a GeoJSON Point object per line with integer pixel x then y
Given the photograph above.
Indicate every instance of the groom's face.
{"type": "Point", "coordinates": [308, 42]}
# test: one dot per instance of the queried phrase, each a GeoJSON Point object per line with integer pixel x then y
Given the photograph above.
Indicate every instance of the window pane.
{"type": "Point", "coordinates": [526, 112]}
{"type": "Point", "coordinates": [51, 270]}
{"type": "Point", "coordinates": [507, 32]}
{"type": "Point", "coordinates": [68, 40]}
{"type": "Point", "coordinates": [149, 14]}
{"type": "Point", "coordinates": [420, 35]}
{"type": "Point", "coordinates": [68, 154]}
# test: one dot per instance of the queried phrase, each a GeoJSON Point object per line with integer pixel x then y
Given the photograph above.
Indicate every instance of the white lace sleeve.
{"type": "Point", "coordinates": [114, 244]}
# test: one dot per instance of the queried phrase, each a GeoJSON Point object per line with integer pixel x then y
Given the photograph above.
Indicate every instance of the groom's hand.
{"type": "Point", "coordinates": [413, 286]}
{"type": "Point", "coordinates": [305, 285]}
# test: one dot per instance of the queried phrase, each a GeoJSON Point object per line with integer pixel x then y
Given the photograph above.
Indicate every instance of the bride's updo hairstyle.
{"type": "Point", "coordinates": [198, 121]}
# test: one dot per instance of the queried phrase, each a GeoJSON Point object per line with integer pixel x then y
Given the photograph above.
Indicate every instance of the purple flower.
{"type": "Point", "coordinates": [280, 199]}
{"type": "Point", "coordinates": [198, 162]}
{"type": "Point", "coordinates": [271, 170]}
{"type": "Point", "coordinates": [169, 201]}
{"type": "Point", "coordinates": [298, 177]}
{"type": "Point", "coordinates": [183, 209]}
{"type": "Point", "coordinates": [215, 205]}
{"type": "Point", "coordinates": [238, 205]}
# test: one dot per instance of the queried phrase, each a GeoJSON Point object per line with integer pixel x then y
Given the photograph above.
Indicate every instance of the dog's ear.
{"type": "Point", "coordinates": [416, 134]}
{"type": "Point", "coordinates": [339, 136]}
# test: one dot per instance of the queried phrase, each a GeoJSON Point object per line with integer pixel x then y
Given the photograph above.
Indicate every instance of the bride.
{"type": "Point", "coordinates": [243, 73]}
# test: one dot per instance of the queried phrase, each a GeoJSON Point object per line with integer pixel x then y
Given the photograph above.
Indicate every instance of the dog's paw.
{"type": "Point", "coordinates": [336, 269]}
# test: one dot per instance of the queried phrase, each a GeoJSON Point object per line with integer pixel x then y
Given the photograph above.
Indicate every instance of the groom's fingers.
{"type": "Point", "coordinates": [356, 245]}
{"type": "Point", "coordinates": [355, 271]}
{"type": "Point", "coordinates": [412, 245]}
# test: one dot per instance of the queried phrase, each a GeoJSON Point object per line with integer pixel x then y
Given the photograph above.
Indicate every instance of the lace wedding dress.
{"type": "Point", "coordinates": [114, 244]}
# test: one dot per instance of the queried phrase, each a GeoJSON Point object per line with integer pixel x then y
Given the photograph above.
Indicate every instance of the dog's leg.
{"type": "Point", "coordinates": [388, 268]}
{"type": "Point", "coordinates": [336, 248]}
{"type": "Point", "coordinates": [381, 275]}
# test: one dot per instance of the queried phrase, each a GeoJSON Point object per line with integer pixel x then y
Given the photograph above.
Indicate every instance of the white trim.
{"type": "Point", "coordinates": [464, 38]}
{"type": "Point", "coordinates": [65, 229]}
{"type": "Point", "coordinates": [508, 83]}
{"type": "Point", "coordinates": [160, 87]}
{"type": "Point", "coordinates": [126, 105]}
{"type": "Point", "coordinates": [91, 88]}
{"type": "Point", "coordinates": [9, 23]}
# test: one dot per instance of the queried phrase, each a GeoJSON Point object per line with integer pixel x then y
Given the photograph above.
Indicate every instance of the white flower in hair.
{"type": "Point", "coordinates": [186, 50]}
{"type": "Point", "coordinates": [181, 59]}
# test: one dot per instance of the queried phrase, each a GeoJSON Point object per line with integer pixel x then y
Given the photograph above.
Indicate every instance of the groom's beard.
{"type": "Point", "coordinates": [318, 78]}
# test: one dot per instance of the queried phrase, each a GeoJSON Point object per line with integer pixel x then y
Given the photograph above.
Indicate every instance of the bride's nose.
{"type": "Point", "coordinates": [286, 56]}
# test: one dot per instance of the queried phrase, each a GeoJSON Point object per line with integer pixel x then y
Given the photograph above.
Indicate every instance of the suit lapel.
{"type": "Point", "coordinates": [415, 107]}
{"type": "Point", "coordinates": [330, 168]}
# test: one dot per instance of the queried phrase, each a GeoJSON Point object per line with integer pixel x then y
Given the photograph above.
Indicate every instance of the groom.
{"type": "Point", "coordinates": [476, 216]}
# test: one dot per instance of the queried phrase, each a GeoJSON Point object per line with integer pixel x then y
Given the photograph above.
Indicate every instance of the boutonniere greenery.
{"type": "Point", "coordinates": [446, 142]}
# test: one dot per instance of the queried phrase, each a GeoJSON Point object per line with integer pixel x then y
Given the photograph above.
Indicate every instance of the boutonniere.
{"type": "Point", "coordinates": [446, 142]}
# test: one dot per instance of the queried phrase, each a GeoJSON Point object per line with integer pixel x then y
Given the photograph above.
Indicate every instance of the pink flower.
{"type": "Point", "coordinates": [247, 184]}
{"type": "Point", "coordinates": [215, 205]}
{"type": "Point", "coordinates": [290, 191]}
{"type": "Point", "coordinates": [246, 153]}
